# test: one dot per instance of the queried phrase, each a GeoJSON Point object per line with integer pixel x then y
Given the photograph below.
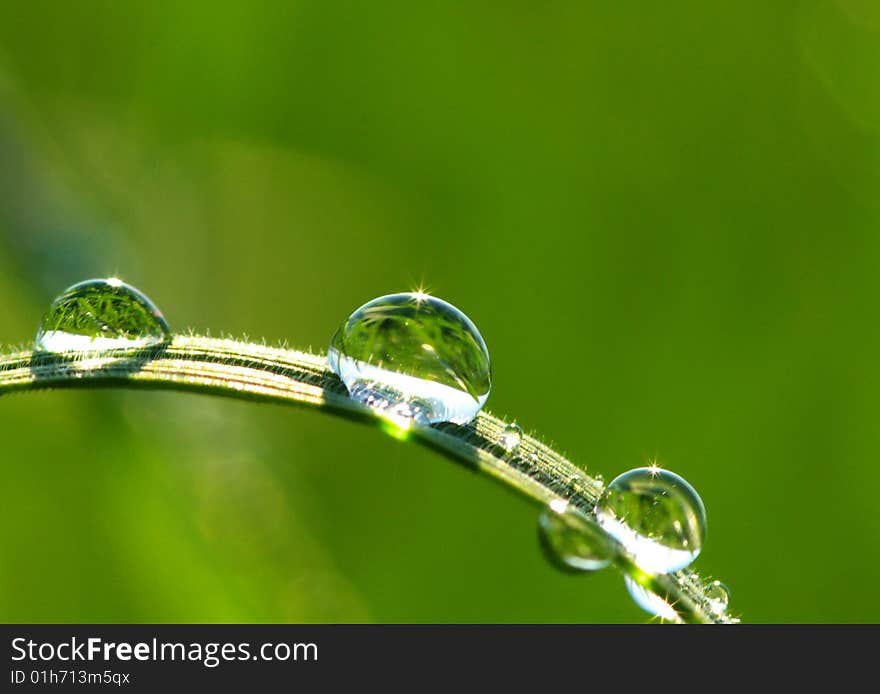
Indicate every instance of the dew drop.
{"type": "Point", "coordinates": [511, 437]}
{"type": "Point", "coordinates": [649, 601]}
{"type": "Point", "coordinates": [570, 541]}
{"type": "Point", "coordinates": [101, 314]}
{"type": "Point", "coordinates": [656, 515]}
{"type": "Point", "coordinates": [413, 358]}
{"type": "Point", "coordinates": [718, 596]}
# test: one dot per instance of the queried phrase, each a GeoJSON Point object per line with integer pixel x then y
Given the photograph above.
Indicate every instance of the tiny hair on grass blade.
{"type": "Point", "coordinates": [250, 371]}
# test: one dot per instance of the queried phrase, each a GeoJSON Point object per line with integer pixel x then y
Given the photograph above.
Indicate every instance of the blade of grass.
{"type": "Point", "coordinates": [257, 372]}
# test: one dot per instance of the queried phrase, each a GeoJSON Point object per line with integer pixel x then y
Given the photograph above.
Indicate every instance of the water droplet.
{"type": "Point", "coordinates": [101, 314]}
{"type": "Point", "coordinates": [511, 437]}
{"type": "Point", "coordinates": [649, 601]}
{"type": "Point", "coordinates": [413, 357]}
{"type": "Point", "coordinates": [656, 515]}
{"type": "Point", "coordinates": [600, 479]}
{"type": "Point", "coordinates": [570, 541]}
{"type": "Point", "coordinates": [718, 596]}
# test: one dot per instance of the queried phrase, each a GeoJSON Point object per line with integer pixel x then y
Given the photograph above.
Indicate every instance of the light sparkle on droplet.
{"type": "Point", "coordinates": [649, 601]}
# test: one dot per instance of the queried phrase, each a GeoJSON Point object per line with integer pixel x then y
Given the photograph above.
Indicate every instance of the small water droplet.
{"type": "Point", "coordinates": [649, 601]}
{"type": "Point", "coordinates": [413, 352]}
{"type": "Point", "coordinates": [718, 596]}
{"type": "Point", "coordinates": [511, 437]}
{"type": "Point", "coordinates": [101, 314]}
{"type": "Point", "coordinates": [570, 541]}
{"type": "Point", "coordinates": [656, 515]}
{"type": "Point", "coordinates": [600, 479]}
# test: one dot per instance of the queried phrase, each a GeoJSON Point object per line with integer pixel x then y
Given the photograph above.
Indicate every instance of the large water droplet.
{"type": "Point", "coordinates": [649, 601]}
{"type": "Point", "coordinates": [511, 437]}
{"type": "Point", "coordinates": [570, 541]}
{"type": "Point", "coordinates": [656, 515]}
{"type": "Point", "coordinates": [413, 358]}
{"type": "Point", "coordinates": [718, 596]}
{"type": "Point", "coordinates": [101, 314]}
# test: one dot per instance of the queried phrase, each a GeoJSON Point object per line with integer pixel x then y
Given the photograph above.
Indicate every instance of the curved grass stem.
{"type": "Point", "coordinates": [258, 372]}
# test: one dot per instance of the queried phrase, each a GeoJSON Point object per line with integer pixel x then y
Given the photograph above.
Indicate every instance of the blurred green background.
{"type": "Point", "coordinates": [663, 218]}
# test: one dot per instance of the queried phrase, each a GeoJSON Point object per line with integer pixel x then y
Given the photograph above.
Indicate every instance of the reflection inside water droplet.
{"type": "Point", "coordinates": [656, 515]}
{"type": "Point", "coordinates": [718, 596]}
{"type": "Point", "coordinates": [101, 314]}
{"type": "Point", "coordinates": [511, 437]}
{"type": "Point", "coordinates": [570, 541]}
{"type": "Point", "coordinates": [413, 358]}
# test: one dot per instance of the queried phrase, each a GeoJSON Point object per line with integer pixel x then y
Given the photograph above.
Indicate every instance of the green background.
{"type": "Point", "coordinates": [663, 218]}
